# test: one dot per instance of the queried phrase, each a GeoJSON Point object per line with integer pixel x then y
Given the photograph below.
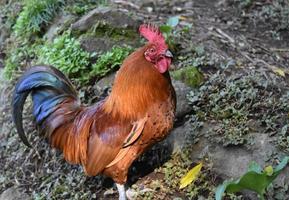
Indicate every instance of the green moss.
{"type": "Point", "coordinates": [117, 34]}
{"type": "Point", "coordinates": [190, 75]}
{"type": "Point", "coordinates": [34, 15]}
{"type": "Point", "coordinates": [80, 7]}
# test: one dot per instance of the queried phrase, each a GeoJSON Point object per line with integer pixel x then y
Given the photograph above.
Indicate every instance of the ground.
{"type": "Point", "coordinates": [231, 76]}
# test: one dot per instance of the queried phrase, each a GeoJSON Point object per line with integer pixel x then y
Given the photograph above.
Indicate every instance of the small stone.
{"type": "Point", "coordinates": [183, 107]}
{"type": "Point", "coordinates": [13, 193]}
{"type": "Point", "coordinates": [149, 9]}
{"type": "Point", "coordinates": [109, 192]}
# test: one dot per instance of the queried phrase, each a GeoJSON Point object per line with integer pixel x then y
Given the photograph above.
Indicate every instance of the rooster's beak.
{"type": "Point", "coordinates": [169, 54]}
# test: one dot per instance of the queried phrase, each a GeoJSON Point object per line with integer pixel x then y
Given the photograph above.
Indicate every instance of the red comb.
{"type": "Point", "coordinates": [152, 34]}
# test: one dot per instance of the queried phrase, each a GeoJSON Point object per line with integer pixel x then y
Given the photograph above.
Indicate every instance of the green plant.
{"type": "Point", "coordinates": [234, 102]}
{"type": "Point", "coordinates": [169, 32]}
{"type": "Point", "coordinates": [190, 75]}
{"type": "Point", "coordinates": [109, 61]}
{"type": "Point", "coordinates": [34, 15]}
{"type": "Point", "coordinates": [66, 54]}
{"type": "Point", "coordinates": [254, 179]}
{"type": "Point", "coordinates": [16, 55]}
{"type": "Point", "coordinates": [79, 7]}
{"type": "Point", "coordinates": [283, 139]}
{"type": "Point", "coordinates": [178, 166]}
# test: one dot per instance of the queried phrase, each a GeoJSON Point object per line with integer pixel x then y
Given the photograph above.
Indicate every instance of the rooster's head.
{"type": "Point", "coordinates": [156, 51]}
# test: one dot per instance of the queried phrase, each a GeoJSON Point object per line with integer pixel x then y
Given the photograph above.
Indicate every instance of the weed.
{"type": "Point", "coordinates": [283, 140]}
{"type": "Point", "coordinates": [190, 75]}
{"type": "Point", "coordinates": [232, 102]}
{"type": "Point", "coordinates": [17, 54]}
{"type": "Point", "coordinates": [79, 7]}
{"type": "Point", "coordinates": [178, 166]}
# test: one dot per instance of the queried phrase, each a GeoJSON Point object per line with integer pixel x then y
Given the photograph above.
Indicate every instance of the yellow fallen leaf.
{"type": "Point", "coordinates": [191, 176]}
{"type": "Point", "coordinates": [279, 71]}
{"type": "Point", "coordinates": [182, 17]}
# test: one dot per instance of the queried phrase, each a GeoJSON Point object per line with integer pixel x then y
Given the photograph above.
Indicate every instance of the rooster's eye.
{"type": "Point", "coordinates": [152, 50]}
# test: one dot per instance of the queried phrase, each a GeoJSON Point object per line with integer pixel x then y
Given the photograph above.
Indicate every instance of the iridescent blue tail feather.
{"type": "Point", "coordinates": [48, 87]}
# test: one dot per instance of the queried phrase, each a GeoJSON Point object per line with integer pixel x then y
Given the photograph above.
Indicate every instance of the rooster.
{"type": "Point", "coordinates": [107, 137]}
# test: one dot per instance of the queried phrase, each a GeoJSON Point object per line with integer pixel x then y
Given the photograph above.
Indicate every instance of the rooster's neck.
{"type": "Point", "coordinates": [137, 86]}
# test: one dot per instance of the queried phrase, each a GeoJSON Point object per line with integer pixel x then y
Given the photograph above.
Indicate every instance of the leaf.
{"type": "Point", "coordinates": [191, 176]}
{"type": "Point", "coordinates": [165, 29]}
{"type": "Point", "coordinates": [279, 71]}
{"type": "Point", "coordinates": [254, 180]}
{"type": "Point", "coordinates": [173, 21]}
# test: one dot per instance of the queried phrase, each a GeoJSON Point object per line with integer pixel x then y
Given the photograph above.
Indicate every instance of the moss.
{"type": "Point", "coordinates": [190, 75]}
{"type": "Point", "coordinates": [117, 34]}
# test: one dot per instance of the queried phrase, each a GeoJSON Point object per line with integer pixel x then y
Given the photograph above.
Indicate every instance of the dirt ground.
{"type": "Point", "coordinates": [241, 48]}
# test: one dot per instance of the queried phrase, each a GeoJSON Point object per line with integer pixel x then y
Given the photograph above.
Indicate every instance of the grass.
{"type": "Point", "coordinates": [34, 15]}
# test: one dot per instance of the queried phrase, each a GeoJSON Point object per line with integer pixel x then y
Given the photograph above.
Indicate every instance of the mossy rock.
{"type": "Point", "coordinates": [190, 76]}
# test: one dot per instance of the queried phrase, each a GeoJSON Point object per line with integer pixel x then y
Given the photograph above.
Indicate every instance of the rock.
{"type": "Point", "coordinates": [58, 25]}
{"type": "Point", "coordinates": [4, 34]}
{"type": "Point", "coordinates": [231, 161]}
{"type": "Point", "coordinates": [2, 57]}
{"type": "Point", "coordinates": [13, 194]}
{"type": "Point", "coordinates": [177, 139]}
{"type": "Point", "coordinates": [106, 82]}
{"type": "Point", "coordinates": [183, 107]}
{"type": "Point", "coordinates": [115, 18]}
{"type": "Point", "coordinates": [111, 27]}
{"type": "Point", "coordinates": [103, 87]}
{"type": "Point", "coordinates": [103, 44]}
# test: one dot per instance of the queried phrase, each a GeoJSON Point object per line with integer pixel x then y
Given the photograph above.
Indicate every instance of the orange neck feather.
{"type": "Point", "coordinates": [137, 86]}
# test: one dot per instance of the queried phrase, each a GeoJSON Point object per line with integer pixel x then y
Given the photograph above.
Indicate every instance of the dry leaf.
{"type": "Point", "coordinates": [191, 176]}
{"type": "Point", "coordinates": [279, 71]}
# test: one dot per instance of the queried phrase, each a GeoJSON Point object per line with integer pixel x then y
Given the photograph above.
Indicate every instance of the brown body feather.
{"type": "Point", "coordinates": [93, 136]}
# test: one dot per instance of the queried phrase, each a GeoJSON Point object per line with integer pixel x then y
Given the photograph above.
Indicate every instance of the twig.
{"type": "Point", "coordinates": [127, 4]}
{"type": "Point", "coordinates": [279, 50]}
{"type": "Point", "coordinates": [225, 35]}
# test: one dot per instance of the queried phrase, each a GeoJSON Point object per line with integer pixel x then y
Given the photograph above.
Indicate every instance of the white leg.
{"type": "Point", "coordinates": [121, 191]}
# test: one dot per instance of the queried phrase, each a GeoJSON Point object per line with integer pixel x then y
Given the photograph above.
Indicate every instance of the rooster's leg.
{"type": "Point", "coordinates": [121, 191]}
